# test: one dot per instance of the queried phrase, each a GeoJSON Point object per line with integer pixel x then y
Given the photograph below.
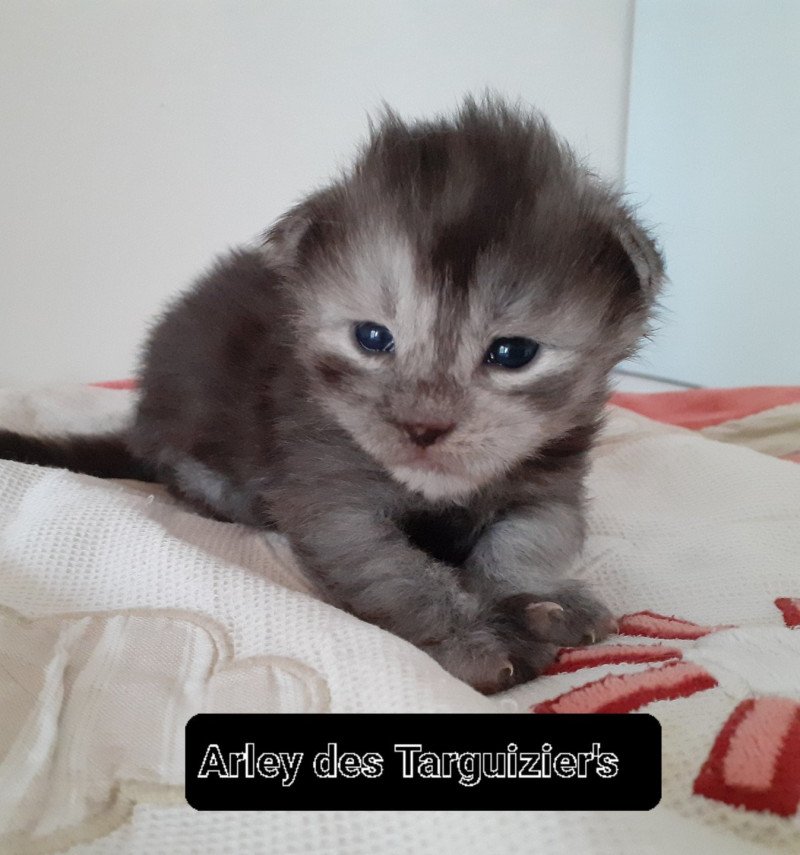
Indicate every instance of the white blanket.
{"type": "Point", "coordinates": [122, 613]}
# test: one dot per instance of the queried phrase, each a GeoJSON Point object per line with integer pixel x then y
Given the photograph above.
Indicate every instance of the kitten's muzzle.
{"type": "Point", "coordinates": [425, 434]}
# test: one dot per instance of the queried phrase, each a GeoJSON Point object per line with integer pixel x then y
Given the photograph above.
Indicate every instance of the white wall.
{"type": "Point", "coordinates": [713, 157]}
{"type": "Point", "coordinates": [141, 137]}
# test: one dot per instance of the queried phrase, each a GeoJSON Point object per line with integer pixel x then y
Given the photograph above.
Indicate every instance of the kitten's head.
{"type": "Point", "coordinates": [462, 294]}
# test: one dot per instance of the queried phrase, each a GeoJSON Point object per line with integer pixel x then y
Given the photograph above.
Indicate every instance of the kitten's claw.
{"type": "Point", "coordinates": [520, 637]}
{"type": "Point", "coordinates": [489, 663]}
{"type": "Point", "coordinates": [603, 628]}
{"type": "Point", "coordinates": [573, 617]}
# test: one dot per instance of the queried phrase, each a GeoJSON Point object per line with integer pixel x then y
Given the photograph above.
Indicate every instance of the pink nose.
{"type": "Point", "coordinates": [428, 433]}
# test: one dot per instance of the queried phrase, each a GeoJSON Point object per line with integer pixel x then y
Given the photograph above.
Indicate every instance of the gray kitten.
{"type": "Point", "coordinates": [405, 379]}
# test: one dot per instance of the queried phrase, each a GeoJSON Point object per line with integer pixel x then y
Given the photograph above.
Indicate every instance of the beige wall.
{"type": "Point", "coordinates": [141, 137]}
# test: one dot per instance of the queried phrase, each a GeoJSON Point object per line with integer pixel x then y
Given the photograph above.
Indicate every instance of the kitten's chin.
{"type": "Point", "coordinates": [431, 484]}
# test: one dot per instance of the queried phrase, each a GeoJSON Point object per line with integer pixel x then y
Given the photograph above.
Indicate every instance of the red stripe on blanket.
{"type": "Point", "coordinates": [116, 384]}
{"type": "Point", "coordinates": [575, 658]}
{"type": "Point", "coordinates": [753, 763]}
{"type": "Point", "coordinates": [699, 408]}
{"type": "Point", "coordinates": [790, 609]}
{"type": "Point", "coordinates": [652, 625]}
{"type": "Point", "coordinates": [627, 692]}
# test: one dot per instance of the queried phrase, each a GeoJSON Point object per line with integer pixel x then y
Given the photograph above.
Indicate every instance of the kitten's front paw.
{"type": "Point", "coordinates": [573, 617]}
{"type": "Point", "coordinates": [488, 662]}
{"type": "Point", "coordinates": [520, 638]}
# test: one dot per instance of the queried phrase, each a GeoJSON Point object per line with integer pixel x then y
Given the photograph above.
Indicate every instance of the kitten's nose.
{"type": "Point", "coordinates": [425, 434]}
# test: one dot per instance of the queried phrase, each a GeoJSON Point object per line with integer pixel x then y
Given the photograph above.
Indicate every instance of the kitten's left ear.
{"type": "Point", "coordinates": [644, 255]}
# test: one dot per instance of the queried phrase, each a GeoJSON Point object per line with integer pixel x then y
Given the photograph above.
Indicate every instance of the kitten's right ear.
{"type": "Point", "coordinates": [283, 240]}
{"type": "Point", "coordinates": [301, 233]}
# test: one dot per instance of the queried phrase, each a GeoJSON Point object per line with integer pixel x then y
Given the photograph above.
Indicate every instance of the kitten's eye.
{"type": "Point", "coordinates": [511, 352]}
{"type": "Point", "coordinates": [375, 337]}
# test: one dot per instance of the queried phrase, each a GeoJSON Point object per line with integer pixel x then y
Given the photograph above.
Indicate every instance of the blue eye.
{"type": "Point", "coordinates": [511, 352]}
{"type": "Point", "coordinates": [374, 337]}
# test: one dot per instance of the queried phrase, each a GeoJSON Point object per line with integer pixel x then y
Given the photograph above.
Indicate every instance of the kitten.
{"type": "Point", "coordinates": [405, 380]}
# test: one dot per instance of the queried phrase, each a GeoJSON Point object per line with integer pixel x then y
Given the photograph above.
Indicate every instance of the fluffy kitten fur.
{"type": "Point", "coordinates": [259, 406]}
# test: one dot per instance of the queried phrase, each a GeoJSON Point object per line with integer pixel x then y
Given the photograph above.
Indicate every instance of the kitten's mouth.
{"type": "Point", "coordinates": [431, 478]}
{"type": "Point", "coordinates": [425, 459]}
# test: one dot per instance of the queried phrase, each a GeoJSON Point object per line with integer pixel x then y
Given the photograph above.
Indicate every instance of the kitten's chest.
{"type": "Point", "coordinates": [447, 535]}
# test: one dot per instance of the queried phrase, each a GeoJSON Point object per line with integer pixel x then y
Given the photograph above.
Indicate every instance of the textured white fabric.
{"type": "Point", "coordinates": [111, 585]}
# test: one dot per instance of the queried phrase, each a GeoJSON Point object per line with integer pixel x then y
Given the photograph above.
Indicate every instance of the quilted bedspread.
{"type": "Point", "coordinates": [122, 614]}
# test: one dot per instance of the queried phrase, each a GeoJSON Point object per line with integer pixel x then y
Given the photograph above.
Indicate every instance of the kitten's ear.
{"type": "Point", "coordinates": [282, 241]}
{"type": "Point", "coordinates": [644, 255]}
{"type": "Point", "coordinates": [303, 233]}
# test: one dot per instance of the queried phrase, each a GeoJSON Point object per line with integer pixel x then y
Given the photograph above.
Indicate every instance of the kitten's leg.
{"type": "Point", "coordinates": [518, 569]}
{"type": "Point", "coordinates": [362, 562]}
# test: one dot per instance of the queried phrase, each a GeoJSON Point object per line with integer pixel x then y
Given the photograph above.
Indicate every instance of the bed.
{"type": "Point", "coordinates": [122, 613]}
